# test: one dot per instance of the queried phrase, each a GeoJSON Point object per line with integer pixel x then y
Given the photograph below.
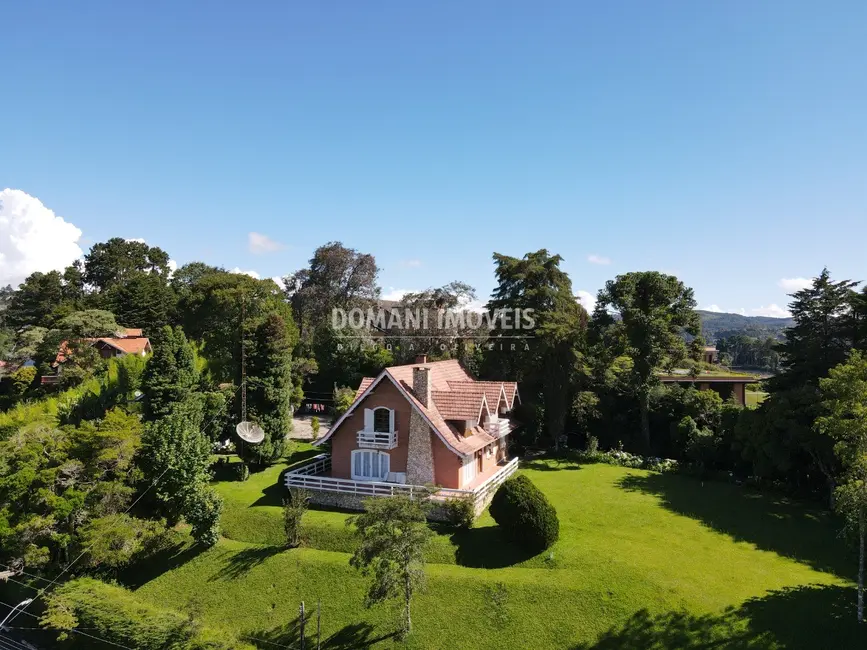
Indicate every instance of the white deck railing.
{"type": "Point", "coordinates": [309, 477]}
{"type": "Point", "coordinates": [377, 439]}
{"type": "Point", "coordinates": [499, 428]}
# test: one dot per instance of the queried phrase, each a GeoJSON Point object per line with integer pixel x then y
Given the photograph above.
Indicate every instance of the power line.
{"type": "Point", "coordinates": [75, 630]}
{"type": "Point", "coordinates": [8, 643]}
{"type": "Point", "coordinates": [21, 571]}
{"type": "Point", "coordinates": [82, 554]}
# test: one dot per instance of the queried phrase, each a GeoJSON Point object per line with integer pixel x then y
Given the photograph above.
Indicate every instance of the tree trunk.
{"type": "Point", "coordinates": [644, 405]}
{"type": "Point", "coordinates": [407, 593]}
{"type": "Point", "coordinates": [861, 531]}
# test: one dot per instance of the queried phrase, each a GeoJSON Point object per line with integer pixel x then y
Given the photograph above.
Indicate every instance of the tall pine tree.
{"type": "Point", "coordinates": [270, 389]}
{"type": "Point", "coordinates": [547, 360]}
{"type": "Point", "coordinates": [170, 374]}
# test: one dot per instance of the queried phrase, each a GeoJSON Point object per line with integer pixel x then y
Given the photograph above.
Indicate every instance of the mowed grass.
{"type": "Point", "coordinates": [644, 561]}
{"type": "Point", "coordinates": [755, 397]}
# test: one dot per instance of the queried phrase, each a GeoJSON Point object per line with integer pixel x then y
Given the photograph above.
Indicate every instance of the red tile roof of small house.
{"type": "Point", "coordinates": [455, 395]}
{"type": "Point", "coordinates": [128, 343]}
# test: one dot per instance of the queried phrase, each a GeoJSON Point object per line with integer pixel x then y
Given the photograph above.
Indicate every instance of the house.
{"type": "Point", "coordinates": [710, 354]}
{"type": "Point", "coordinates": [725, 385]}
{"type": "Point", "coordinates": [416, 429]}
{"type": "Point", "coordinates": [124, 342]}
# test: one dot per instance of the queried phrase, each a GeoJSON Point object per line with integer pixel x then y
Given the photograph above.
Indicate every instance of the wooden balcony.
{"type": "Point", "coordinates": [376, 439]}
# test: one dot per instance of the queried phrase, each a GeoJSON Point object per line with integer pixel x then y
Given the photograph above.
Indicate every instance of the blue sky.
{"type": "Point", "coordinates": [725, 142]}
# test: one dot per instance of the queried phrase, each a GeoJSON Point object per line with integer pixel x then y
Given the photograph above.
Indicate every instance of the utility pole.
{"type": "Point", "coordinates": [301, 623]}
{"type": "Point", "coordinates": [319, 624]}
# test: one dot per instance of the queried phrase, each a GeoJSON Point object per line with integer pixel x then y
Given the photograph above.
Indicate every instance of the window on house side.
{"type": "Point", "coordinates": [382, 420]}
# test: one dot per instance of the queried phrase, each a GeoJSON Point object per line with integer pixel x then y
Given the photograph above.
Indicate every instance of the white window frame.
{"type": "Point", "coordinates": [468, 470]}
{"type": "Point", "coordinates": [367, 458]}
{"type": "Point", "coordinates": [369, 419]}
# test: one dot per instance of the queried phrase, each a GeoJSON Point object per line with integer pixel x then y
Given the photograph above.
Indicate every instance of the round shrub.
{"type": "Point", "coordinates": [525, 514]}
{"type": "Point", "coordinates": [460, 513]}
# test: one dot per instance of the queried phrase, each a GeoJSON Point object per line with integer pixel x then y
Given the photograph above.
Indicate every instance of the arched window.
{"type": "Point", "coordinates": [383, 420]}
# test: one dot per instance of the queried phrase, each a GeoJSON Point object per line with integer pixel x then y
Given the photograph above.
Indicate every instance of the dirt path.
{"type": "Point", "coordinates": [301, 429]}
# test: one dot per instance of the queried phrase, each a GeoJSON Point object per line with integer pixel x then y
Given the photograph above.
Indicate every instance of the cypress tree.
{"type": "Point", "coordinates": [269, 389]}
{"type": "Point", "coordinates": [170, 373]}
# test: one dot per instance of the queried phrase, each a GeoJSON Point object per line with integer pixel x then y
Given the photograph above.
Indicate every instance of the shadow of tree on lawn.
{"type": "Point", "coordinates": [551, 464]}
{"type": "Point", "coordinates": [153, 566]}
{"type": "Point", "coordinates": [806, 617]}
{"type": "Point", "coordinates": [771, 522]}
{"type": "Point", "coordinates": [239, 564]}
{"type": "Point", "coordinates": [349, 637]}
{"type": "Point", "coordinates": [487, 548]}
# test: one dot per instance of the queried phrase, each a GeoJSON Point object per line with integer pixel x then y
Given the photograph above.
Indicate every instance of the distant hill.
{"type": "Point", "coordinates": [715, 325]}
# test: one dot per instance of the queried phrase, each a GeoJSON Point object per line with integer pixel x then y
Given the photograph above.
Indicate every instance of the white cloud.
{"type": "Point", "coordinates": [599, 259]}
{"type": "Point", "coordinates": [33, 238]}
{"type": "Point", "coordinates": [252, 274]}
{"type": "Point", "coordinates": [714, 308]}
{"type": "Point", "coordinates": [279, 282]}
{"type": "Point", "coordinates": [411, 264]}
{"type": "Point", "coordinates": [396, 294]}
{"type": "Point", "coordinates": [791, 285]}
{"type": "Point", "coordinates": [587, 300]}
{"type": "Point", "coordinates": [259, 244]}
{"type": "Point", "coordinates": [773, 310]}
{"type": "Point", "coordinates": [140, 240]}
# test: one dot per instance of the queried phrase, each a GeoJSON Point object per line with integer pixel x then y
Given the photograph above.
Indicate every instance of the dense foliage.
{"type": "Point", "coordinates": [119, 617]}
{"type": "Point", "coordinates": [525, 514]}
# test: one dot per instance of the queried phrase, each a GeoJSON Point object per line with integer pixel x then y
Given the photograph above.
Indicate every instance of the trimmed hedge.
{"type": "Point", "coordinates": [118, 616]}
{"type": "Point", "coordinates": [525, 514]}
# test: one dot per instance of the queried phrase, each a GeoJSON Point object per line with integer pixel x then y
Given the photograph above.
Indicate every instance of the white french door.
{"type": "Point", "coordinates": [370, 465]}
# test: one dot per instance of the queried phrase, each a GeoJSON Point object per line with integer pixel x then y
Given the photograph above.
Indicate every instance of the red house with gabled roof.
{"type": "Point", "coordinates": [425, 424]}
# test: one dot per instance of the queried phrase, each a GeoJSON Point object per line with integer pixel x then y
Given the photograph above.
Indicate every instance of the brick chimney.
{"type": "Point", "coordinates": [421, 384]}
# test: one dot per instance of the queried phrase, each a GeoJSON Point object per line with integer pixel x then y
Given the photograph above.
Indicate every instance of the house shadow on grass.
{"type": "Point", "coordinates": [487, 548]}
{"type": "Point", "coordinates": [239, 564]}
{"type": "Point", "coordinates": [806, 617]}
{"type": "Point", "coordinates": [349, 637]}
{"type": "Point", "coordinates": [771, 522]}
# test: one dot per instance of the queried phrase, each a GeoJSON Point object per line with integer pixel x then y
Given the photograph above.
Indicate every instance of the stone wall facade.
{"type": "Point", "coordinates": [419, 457]}
{"type": "Point", "coordinates": [346, 501]}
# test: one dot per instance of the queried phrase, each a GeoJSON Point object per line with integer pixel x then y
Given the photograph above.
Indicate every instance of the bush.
{"type": "Point", "coordinates": [525, 514]}
{"type": "Point", "coordinates": [314, 425]}
{"type": "Point", "coordinates": [118, 616]}
{"type": "Point", "coordinates": [21, 380]}
{"type": "Point", "coordinates": [242, 471]}
{"type": "Point", "coordinates": [202, 512]}
{"type": "Point", "coordinates": [460, 512]}
{"type": "Point", "coordinates": [293, 512]}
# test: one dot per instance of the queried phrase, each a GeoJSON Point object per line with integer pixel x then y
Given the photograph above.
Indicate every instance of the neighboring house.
{"type": "Point", "coordinates": [726, 385]}
{"type": "Point", "coordinates": [710, 354]}
{"type": "Point", "coordinates": [124, 342]}
{"type": "Point", "coordinates": [425, 424]}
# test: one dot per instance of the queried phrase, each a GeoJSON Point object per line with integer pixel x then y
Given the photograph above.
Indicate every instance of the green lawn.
{"type": "Point", "coordinates": [755, 397]}
{"type": "Point", "coordinates": [644, 561]}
